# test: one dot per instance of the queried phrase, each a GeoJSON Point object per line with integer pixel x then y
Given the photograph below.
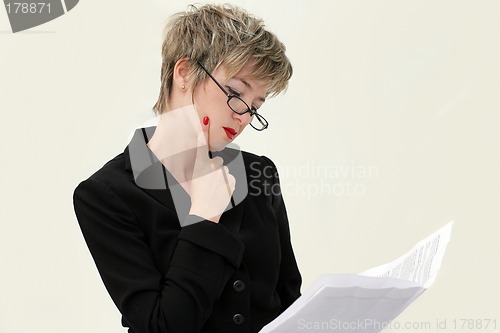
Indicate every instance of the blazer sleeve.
{"type": "Point", "coordinates": [290, 280]}
{"type": "Point", "coordinates": [205, 256]}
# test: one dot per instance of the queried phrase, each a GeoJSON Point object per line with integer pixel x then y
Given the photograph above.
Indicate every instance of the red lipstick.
{"type": "Point", "coordinates": [229, 132]}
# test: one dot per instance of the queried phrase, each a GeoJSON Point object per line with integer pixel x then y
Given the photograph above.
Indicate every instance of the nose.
{"type": "Point", "coordinates": [243, 119]}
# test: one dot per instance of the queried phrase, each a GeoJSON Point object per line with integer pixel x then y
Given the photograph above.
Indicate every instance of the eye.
{"type": "Point", "coordinates": [232, 91]}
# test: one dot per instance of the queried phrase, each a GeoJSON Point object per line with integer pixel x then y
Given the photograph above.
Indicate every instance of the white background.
{"type": "Point", "coordinates": [388, 131]}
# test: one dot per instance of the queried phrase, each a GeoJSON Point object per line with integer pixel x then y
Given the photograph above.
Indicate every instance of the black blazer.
{"type": "Point", "coordinates": [233, 276]}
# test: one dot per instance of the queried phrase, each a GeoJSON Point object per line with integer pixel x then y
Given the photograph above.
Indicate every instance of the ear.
{"type": "Point", "coordinates": [181, 75]}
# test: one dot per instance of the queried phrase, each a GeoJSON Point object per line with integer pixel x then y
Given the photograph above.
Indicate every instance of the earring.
{"type": "Point", "coordinates": [183, 87]}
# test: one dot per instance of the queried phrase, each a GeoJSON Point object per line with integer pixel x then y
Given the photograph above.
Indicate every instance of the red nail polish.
{"type": "Point", "coordinates": [205, 120]}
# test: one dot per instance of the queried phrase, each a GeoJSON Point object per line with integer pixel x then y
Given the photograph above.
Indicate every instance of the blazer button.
{"type": "Point", "coordinates": [239, 285]}
{"type": "Point", "coordinates": [238, 319]}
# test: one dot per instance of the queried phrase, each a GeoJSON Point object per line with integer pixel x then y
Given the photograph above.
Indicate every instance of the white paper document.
{"type": "Point", "coordinates": [369, 301]}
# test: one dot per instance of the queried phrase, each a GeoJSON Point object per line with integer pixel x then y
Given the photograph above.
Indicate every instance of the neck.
{"type": "Point", "coordinates": [175, 141]}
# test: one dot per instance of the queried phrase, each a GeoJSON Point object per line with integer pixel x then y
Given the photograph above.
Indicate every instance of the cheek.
{"type": "Point", "coordinates": [208, 106]}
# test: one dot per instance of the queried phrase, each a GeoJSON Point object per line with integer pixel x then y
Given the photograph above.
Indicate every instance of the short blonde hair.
{"type": "Point", "coordinates": [218, 35]}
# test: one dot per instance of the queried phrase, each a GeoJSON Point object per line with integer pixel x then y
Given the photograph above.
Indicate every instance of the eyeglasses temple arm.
{"type": "Point", "coordinates": [213, 79]}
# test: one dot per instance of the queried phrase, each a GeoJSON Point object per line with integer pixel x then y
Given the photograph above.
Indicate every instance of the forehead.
{"type": "Point", "coordinates": [247, 76]}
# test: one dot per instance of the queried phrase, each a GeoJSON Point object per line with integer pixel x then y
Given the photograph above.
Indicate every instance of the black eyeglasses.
{"type": "Point", "coordinates": [237, 105]}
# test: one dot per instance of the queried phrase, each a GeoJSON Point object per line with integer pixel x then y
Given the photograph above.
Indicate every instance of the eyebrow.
{"type": "Point", "coordinates": [262, 99]}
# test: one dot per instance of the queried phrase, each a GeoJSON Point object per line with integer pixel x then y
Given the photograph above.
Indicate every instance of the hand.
{"type": "Point", "coordinates": [212, 185]}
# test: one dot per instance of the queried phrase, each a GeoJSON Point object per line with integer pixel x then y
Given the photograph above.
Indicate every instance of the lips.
{"type": "Point", "coordinates": [229, 132]}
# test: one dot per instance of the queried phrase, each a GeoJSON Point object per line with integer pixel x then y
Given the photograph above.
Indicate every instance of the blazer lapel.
{"type": "Point", "coordinates": [154, 179]}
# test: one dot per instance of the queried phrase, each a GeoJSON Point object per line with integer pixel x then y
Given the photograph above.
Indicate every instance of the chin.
{"type": "Point", "coordinates": [218, 146]}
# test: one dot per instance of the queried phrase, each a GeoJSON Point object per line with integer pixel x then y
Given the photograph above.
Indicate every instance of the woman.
{"type": "Point", "coordinates": [188, 234]}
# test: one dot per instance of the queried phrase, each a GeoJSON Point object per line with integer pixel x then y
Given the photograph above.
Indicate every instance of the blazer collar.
{"type": "Point", "coordinates": [150, 175]}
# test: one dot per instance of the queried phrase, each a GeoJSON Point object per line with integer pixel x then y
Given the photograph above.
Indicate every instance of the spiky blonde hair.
{"type": "Point", "coordinates": [221, 35]}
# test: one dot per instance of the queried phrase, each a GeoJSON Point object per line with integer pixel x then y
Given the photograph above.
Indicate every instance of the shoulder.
{"type": "Point", "coordinates": [261, 166]}
{"type": "Point", "coordinates": [112, 171]}
{"type": "Point", "coordinates": [111, 177]}
{"type": "Point", "coordinates": [262, 177]}
{"type": "Point", "coordinates": [258, 161]}
{"type": "Point", "coordinates": [114, 168]}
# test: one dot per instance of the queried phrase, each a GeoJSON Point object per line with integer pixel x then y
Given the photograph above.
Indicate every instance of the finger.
{"type": "Point", "coordinates": [216, 163]}
{"type": "Point", "coordinates": [202, 152]}
{"type": "Point", "coordinates": [229, 180]}
{"type": "Point", "coordinates": [232, 182]}
{"type": "Point", "coordinates": [205, 127]}
{"type": "Point", "coordinates": [201, 161]}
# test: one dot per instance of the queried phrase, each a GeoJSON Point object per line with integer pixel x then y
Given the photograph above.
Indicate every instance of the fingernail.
{"type": "Point", "coordinates": [205, 120]}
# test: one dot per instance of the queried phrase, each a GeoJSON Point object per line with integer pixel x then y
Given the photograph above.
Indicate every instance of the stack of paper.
{"type": "Point", "coordinates": [369, 301]}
